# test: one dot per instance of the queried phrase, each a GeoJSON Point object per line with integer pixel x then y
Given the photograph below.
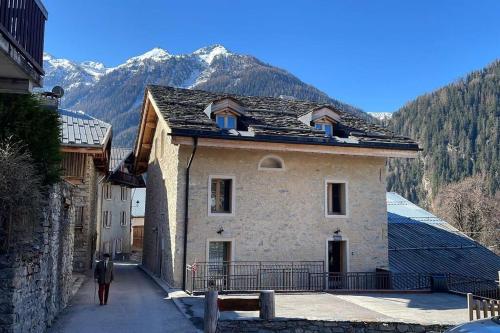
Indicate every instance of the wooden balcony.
{"type": "Point", "coordinates": [22, 28]}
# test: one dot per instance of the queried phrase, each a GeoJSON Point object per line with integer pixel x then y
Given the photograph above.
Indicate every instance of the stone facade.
{"type": "Point", "coordinates": [110, 237]}
{"type": "Point", "coordinates": [278, 215]}
{"type": "Point", "coordinates": [36, 275]}
{"type": "Point", "coordinates": [85, 195]}
{"type": "Point", "coordinates": [319, 326]}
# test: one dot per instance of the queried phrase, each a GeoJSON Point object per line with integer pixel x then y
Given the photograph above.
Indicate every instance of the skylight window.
{"type": "Point", "coordinates": [227, 121]}
{"type": "Point", "coordinates": [327, 127]}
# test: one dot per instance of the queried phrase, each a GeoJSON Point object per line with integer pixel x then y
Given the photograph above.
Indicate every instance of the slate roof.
{"type": "Point", "coordinates": [268, 119]}
{"type": "Point", "coordinates": [422, 243]}
{"type": "Point", "coordinates": [80, 129]}
{"type": "Point", "coordinates": [117, 156]}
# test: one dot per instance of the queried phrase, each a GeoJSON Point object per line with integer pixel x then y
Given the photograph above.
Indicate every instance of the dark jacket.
{"type": "Point", "coordinates": [104, 275]}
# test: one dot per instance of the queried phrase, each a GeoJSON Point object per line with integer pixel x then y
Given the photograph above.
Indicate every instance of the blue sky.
{"type": "Point", "coordinates": [376, 55]}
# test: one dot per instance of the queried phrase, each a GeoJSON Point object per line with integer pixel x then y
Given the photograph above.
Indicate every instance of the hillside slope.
{"type": "Point", "coordinates": [458, 127]}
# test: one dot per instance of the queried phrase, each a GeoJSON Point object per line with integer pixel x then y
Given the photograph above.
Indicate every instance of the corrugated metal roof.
{"type": "Point", "coordinates": [80, 129]}
{"type": "Point", "coordinates": [421, 242]}
{"type": "Point", "coordinates": [118, 155]}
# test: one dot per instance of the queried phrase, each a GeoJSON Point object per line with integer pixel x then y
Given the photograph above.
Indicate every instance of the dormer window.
{"type": "Point", "coordinates": [227, 121]}
{"type": "Point", "coordinates": [327, 127]}
{"type": "Point", "coordinates": [225, 111]}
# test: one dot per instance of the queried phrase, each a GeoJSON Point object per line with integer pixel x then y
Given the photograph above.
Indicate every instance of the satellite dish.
{"type": "Point", "coordinates": [58, 91]}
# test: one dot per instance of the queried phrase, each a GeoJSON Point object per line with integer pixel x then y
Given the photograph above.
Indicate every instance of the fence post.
{"type": "Point", "coordinates": [470, 306]}
{"type": "Point", "coordinates": [267, 311]}
{"type": "Point", "coordinates": [211, 312]}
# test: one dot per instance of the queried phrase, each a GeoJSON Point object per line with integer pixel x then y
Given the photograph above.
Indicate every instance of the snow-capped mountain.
{"type": "Point", "coordinates": [381, 115]}
{"type": "Point", "coordinates": [114, 94]}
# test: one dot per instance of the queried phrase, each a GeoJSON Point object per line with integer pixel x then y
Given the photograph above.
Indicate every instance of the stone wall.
{"type": "Point", "coordinates": [319, 326]}
{"type": "Point", "coordinates": [85, 194]}
{"type": "Point", "coordinates": [278, 215]}
{"type": "Point", "coordinates": [36, 273]}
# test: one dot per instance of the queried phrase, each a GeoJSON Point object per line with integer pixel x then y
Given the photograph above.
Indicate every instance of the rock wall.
{"type": "Point", "coordinates": [319, 326]}
{"type": "Point", "coordinates": [36, 272]}
{"type": "Point", "coordinates": [85, 195]}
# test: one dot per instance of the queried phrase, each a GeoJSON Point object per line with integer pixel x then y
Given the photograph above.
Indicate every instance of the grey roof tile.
{"type": "Point", "coordinates": [421, 242]}
{"type": "Point", "coordinates": [80, 129]}
{"type": "Point", "coordinates": [271, 119]}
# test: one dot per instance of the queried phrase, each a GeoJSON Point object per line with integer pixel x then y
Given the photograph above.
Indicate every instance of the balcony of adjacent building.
{"type": "Point", "coordinates": [22, 25]}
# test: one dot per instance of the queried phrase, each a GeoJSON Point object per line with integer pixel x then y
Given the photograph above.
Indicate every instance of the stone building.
{"type": "Point", "coordinates": [85, 145]}
{"type": "Point", "coordinates": [234, 179]}
{"type": "Point", "coordinates": [115, 203]}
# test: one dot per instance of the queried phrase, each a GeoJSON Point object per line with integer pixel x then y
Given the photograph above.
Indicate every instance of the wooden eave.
{"type": "Point", "coordinates": [145, 137]}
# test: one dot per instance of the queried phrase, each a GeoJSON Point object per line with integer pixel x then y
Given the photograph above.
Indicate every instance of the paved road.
{"type": "Point", "coordinates": [136, 304]}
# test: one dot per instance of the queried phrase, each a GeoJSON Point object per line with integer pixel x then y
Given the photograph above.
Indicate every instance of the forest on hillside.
{"type": "Point", "coordinates": [458, 128]}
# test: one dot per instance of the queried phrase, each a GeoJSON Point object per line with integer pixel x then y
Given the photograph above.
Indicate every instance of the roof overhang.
{"type": "Point", "coordinates": [255, 144]}
{"type": "Point", "coordinates": [146, 133]}
{"type": "Point", "coordinates": [100, 153]}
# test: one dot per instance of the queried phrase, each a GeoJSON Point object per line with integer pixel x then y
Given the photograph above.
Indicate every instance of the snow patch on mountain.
{"type": "Point", "coordinates": [156, 55]}
{"type": "Point", "coordinates": [381, 115]}
{"type": "Point", "coordinates": [209, 53]}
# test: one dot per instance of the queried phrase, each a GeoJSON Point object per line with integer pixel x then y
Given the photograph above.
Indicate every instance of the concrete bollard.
{"type": "Point", "coordinates": [211, 312]}
{"type": "Point", "coordinates": [267, 311]}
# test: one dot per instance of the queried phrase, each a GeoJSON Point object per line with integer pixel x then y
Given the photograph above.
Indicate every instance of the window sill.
{"type": "Point", "coordinates": [220, 214]}
{"type": "Point", "coordinates": [334, 216]}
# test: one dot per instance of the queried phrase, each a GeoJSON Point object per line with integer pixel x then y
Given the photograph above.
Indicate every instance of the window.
{"type": "Point", "coordinates": [271, 163]}
{"type": "Point", "coordinates": [118, 245]}
{"type": "Point", "coordinates": [106, 219]}
{"type": "Point", "coordinates": [106, 247]}
{"type": "Point", "coordinates": [123, 219]}
{"type": "Point", "coordinates": [226, 121]}
{"type": "Point", "coordinates": [327, 127]}
{"type": "Point", "coordinates": [221, 200]}
{"type": "Point", "coordinates": [107, 189]}
{"type": "Point", "coordinates": [123, 193]}
{"type": "Point", "coordinates": [336, 199]}
{"type": "Point", "coordinates": [79, 216]}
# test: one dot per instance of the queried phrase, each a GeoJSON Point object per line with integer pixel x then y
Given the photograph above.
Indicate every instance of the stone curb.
{"type": "Point", "coordinates": [173, 293]}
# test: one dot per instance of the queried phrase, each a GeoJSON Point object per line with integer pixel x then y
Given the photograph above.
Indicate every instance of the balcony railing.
{"type": "Point", "coordinates": [22, 23]}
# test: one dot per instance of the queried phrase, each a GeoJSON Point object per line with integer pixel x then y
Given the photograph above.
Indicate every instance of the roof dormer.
{"type": "Point", "coordinates": [323, 118]}
{"type": "Point", "coordinates": [225, 112]}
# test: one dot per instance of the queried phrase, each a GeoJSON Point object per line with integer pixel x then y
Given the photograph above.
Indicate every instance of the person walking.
{"type": "Point", "coordinates": [103, 274]}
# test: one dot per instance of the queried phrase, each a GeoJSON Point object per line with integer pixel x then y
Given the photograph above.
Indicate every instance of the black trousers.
{"type": "Point", "coordinates": [103, 293]}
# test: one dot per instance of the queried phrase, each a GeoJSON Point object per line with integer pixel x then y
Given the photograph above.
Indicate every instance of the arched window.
{"type": "Point", "coordinates": [271, 162]}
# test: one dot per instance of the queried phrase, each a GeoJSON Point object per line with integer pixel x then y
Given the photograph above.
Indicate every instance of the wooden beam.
{"type": "Point", "coordinates": [290, 147]}
{"type": "Point", "coordinates": [151, 124]}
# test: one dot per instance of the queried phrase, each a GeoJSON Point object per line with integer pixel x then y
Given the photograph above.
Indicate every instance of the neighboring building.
{"type": "Point", "coordinates": [115, 203]}
{"type": "Point", "coordinates": [85, 145]}
{"type": "Point", "coordinates": [261, 178]}
{"type": "Point", "coordinates": [137, 233]}
{"type": "Point", "coordinates": [22, 29]}
{"type": "Point", "coordinates": [420, 242]}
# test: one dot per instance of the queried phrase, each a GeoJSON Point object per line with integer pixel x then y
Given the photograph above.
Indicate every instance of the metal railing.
{"type": "Point", "coordinates": [365, 281]}
{"type": "Point", "coordinates": [294, 276]}
{"type": "Point", "coordinates": [480, 288]}
{"type": "Point", "coordinates": [254, 275]}
{"type": "Point", "coordinates": [22, 22]}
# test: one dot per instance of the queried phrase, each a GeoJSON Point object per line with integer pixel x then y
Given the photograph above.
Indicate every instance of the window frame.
{"type": "Point", "coordinates": [123, 218]}
{"type": "Point", "coordinates": [225, 116]}
{"type": "Point", "coordinates": [123, 189]}
{"type": "Point", "coordinates": [105, 191]}
{"type": "Point", "coordinates": [118, 241]}
{"type": "Point", "coordinates": [322, 123]}
{"type": "Point", "coordinates": [233, 194]}
{"type": "Point", "coordinates": [346, 195]}
{"type": "Point", "coordinates": [108, 215]}
{"type": "Point", "coordinates": [260, 168]}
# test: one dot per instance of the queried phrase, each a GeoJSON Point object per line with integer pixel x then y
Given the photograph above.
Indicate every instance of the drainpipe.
{"type": "Point", "coordinates": [186, 213]}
